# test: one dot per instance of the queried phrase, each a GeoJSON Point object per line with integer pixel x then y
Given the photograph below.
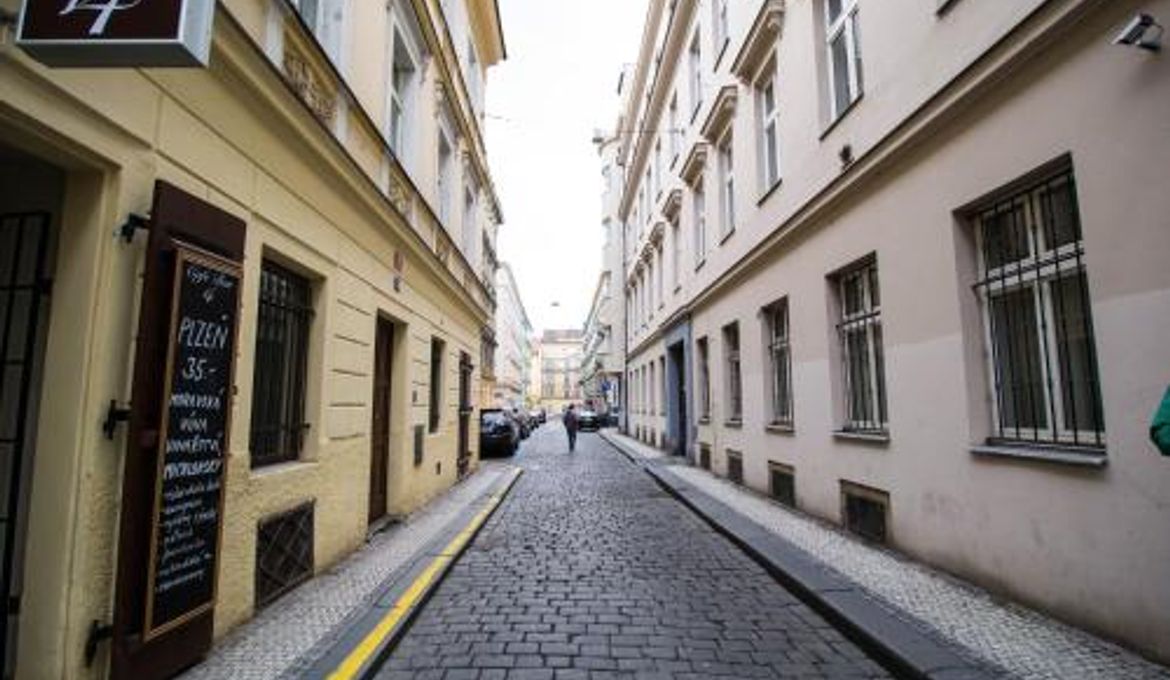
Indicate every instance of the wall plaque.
{"type": "Point", "coordinates": [105, 33]}
{"type": "Point", "coordinates": [194, 438]}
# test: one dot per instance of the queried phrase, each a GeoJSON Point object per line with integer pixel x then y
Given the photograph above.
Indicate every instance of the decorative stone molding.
{"type": "Point", "coordinates": [399, 196]}
{"type": "Point", "coordinates": [673, 203]}
{"type": "Point", "coordinates": [300, 77]}
{"type": "Point", "coordinates": [721, 114]}
{"type": "Point", "coordinates": [760, 41]}
{"type": "Point", "coordinates": [695, 162]}
{"type": "Point", "coordinates": [657, 233]}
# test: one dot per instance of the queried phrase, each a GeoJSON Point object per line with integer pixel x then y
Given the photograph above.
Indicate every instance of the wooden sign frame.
{"type": "Point", "coordinates": [185, 253]}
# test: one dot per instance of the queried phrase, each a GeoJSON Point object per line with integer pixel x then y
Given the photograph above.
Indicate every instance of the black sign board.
{"type": "Point", "coordinates": [194, 439]}
{"type": "Point", "coordinates": [117, 32]}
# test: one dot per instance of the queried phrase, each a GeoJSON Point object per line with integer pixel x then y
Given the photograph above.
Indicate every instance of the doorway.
{"type": "Point", "coordinates": [31, 192]}
{"type": "Point", "coordinates": [678, 373]}
{"type": "Point", "coordinates": [463, 465]}
{"type": "Point", "coordinates": [380, 424]}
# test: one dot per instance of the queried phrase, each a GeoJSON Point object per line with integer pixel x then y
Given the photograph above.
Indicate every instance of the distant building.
{"type": "Point", "coordinates": [903, 266]}
{"type": "Point", "coordinates": [560, 368]}
{"type": "Point", "coordinates": [514, 344]}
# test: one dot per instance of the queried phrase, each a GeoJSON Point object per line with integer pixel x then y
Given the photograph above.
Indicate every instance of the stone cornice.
{"type": "Point", "coordinates": [760, 41]}
{"type": "Point", "coordinates": [721, 114]}
{"type": "Point", "coordinates": [695, 162]}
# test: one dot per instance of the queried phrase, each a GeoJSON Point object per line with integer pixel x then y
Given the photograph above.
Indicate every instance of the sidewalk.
{"type": "Point", "coordinates": [999, 634]}
{"type": "Point", "coordinates": [285, 639]}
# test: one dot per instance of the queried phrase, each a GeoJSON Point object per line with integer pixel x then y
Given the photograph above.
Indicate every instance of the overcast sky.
{"type": "Point", "coordinates": [557, 85]}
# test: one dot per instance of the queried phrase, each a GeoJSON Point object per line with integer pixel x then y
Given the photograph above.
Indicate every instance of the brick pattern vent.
{"type": "Point", "coordinates": [284, 553]}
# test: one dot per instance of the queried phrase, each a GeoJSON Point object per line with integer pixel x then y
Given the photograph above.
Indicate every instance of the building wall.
{"type": "Point", "coordinates": [514, 333]}
{"type": "Point", "coordinates": [317, 198]}
{"type": "Point", "coordinates": [1006, 90]}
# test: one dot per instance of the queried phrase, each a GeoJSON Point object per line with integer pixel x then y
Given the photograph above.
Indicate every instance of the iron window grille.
{"type": "Point", "coordinates": [284, 553]}
{"type": "Point", "coordinates": [281, 361]}
{"type": "Point", "coordinates": [865, 511]}
{"type": "Point", "coordinates": [734, 467]}
{"type": "Point", "coordinates": [1038, 324]}
{"type": "Point", "coordinates": [780, 358]}
{"type": "Point", "coordinates": [862, 362]}
{"type": "Point", "coordinates": [782, 483]}
{"type": "Point", "coordinates": [734, 373]}
{"type": "Point", "coordinates": [704, 380]}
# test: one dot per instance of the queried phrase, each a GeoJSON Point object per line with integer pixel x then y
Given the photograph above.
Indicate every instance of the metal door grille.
{"type": "Point", "coordinates": [24, 290]}
{"type": "Point", "coordinates": [284, 553]}
{"type": "Point", "coordinates": [281, 358]}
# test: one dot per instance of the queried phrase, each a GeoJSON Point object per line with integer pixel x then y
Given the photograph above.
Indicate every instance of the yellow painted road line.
{"type": "Point", "coordinates": [359, 655]}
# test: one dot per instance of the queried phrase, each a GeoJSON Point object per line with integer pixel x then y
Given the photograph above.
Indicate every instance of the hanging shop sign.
{"type": "Point", "coordinates": [188, 498]}
{"type": "Point", "coordinates": [111, 33]}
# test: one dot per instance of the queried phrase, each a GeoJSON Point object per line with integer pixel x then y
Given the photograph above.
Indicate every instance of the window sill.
{"type": "Point", "coordinates": [1094, 458]}
{"type": "Point", "coordinates": [704, 420]}
{"type": "Point", "coordinates": [733, 424]}
{"type": "Point", "coordinates": [677, 288]}
{"type": "Point", "coordinates": [287, 467]}
{"type": "Point", "coordinates": [700, 263]}
{"type": "Point", "coordinates": [768, 194]}
{"type": "Point", "coordinates": [943, 7]}
{"type": "Point", "coordinates": [882, 438]}
{"type": "Point", "coordinates": [695, 112]}
{"type": "Point", "coordinates": [840, 117]}
{"type": "Point", "coordinates": [723, 239]}
{"type": "Point", "coordinates": [778, 428]}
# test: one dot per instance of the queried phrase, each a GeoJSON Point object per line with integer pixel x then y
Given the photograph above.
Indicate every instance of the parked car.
{"type": "Point", "coordinates": [499, 435]}
{"type": "Point", "coordinates": [521, 420]}
{"type": "Point", "coordinates": [588, 421]}
{"type": "Point", "coordinates": [538, 417]}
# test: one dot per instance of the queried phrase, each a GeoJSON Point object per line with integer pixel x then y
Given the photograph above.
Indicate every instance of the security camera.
{"type": "Point", "coordinates": [1136, 33]}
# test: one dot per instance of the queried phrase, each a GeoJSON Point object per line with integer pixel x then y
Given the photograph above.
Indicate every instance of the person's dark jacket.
{"type": "Point", "coordinates": [571, 421]}
{"type": "Point", "coordinates": [1160, 426]}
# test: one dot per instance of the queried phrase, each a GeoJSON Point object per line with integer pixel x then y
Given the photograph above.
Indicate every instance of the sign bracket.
{"type": "Point", "coordinates": [98, 633]}
{"type": "Point", "coordinates": [115, 415]}
{"type": "Point", "coordinates": [133, 223]}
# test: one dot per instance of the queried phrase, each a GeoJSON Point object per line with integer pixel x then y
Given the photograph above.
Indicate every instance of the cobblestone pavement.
{"type": "Point", "coordinates": [284, 638]}
{"type": "Point", "coordinates": [1025, 643]}
{"type": "Point", "coordinates": [589, 570]}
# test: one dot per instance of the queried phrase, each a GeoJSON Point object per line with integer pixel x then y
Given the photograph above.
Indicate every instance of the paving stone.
{"type": "Point", "coordinates": [604, 575]}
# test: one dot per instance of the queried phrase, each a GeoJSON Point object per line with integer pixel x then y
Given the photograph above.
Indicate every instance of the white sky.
{"type": "Point", "coordinates": [558, 84]}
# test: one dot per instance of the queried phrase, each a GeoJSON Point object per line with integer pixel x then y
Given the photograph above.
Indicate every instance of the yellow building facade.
{"type": "Point", "coordinates": [346, 138]}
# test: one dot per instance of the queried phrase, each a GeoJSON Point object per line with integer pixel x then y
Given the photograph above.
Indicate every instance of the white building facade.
{"type": "Point", "coordinates": [901, 266]}
{"type": "Point", "coordinates": [514, 344]}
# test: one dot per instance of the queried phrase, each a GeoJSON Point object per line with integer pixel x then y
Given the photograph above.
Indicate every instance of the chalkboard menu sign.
{"type": "Point", "coordinates": [193, 440]}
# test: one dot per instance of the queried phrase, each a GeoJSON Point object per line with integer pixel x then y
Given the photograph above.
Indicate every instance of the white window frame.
{"type": "Point", "coordinates": [779, 350]}
{"type": "Point", "coordinates": [445, 177]}
{"type": "Point", "coordinates": [720, 32]}
{"type": "Point", "coordinates": [726, 161]}
{"type": "Point", "coordinates": [675, 253]}
{"type": "Point", "coordinates": [733, 364]}
{"type": "Point", "coordinates": [397, 132]}
{"type": "Point", "coordinates": [695, 73]}
{"type": "Point", "coordinates": [699, 203]}
{"type": "Point", "coordinates": [674, 131]}
{"type": "Point", "coordinates": [703, 359]}
{"type": "Point", "coordinates": [843, 26]}
{"type": "Point", "coordinates": [768, 119]}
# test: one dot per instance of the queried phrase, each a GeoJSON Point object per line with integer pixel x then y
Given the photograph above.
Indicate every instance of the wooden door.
{"type": "Point", "coordinates": [178, 220]}
{"type": "Point", "coordinates": [380, 419]}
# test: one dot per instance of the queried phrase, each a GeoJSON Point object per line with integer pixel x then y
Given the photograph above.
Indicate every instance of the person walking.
{"type": "Point", "coordinates": [571, 427]}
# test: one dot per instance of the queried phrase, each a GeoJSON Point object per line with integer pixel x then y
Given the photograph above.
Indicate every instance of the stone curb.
{"type": "Point", "coordinates": [398, 583]}
{"type": "Point", "coordinates": [897, 643]}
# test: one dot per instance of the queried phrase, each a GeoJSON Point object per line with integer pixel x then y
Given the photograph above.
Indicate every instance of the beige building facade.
{"type": "Point", "coordinates": [514, 351]}
{"type": "Point", "coordinates": [559, 361]}
{"type": "Point", "coordinates": [336, 146]}
{"type": "Point", "coordinates": [900, 265]}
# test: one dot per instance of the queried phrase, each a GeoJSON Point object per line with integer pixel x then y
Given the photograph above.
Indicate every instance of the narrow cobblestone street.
{"type": "Point", "coordinates": [589, 570]}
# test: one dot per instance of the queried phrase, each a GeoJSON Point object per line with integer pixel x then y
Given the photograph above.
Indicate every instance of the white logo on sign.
{"type": "Point", "coordinates": [104, 8]}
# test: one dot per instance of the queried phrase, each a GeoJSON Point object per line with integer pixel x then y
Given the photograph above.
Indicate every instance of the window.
{"type": "Point", "coordinates": [470, 224]}
{"type": "Point", "coordinates": [662, 386]}
{"type": "Point", "coordinates": [473, 78]}
{"type": "Point", "coordinates": [674, 131]}
{"type": "Point", "coordinates": [281, 362]}
{"type": "Point", "coordinates": [326, 19]}
{"type": "Point", "coordinates": [651, 390]}
{"type": "Point", "coordinates": [700, 205]}
{"type": "Point", "coordinates": [782, 483]}
{"type": "Point", "coordinates": [769, 131]}
{"type": "Point", "coordinates": [865, 511]}
{"type": "Point", "coordinates": [734, 467]}
{"type": "Point", "coordinates": [695, 74]}
{"type": "Point", "coordinates": [734, 382]}
{"type": "Point", "coordinates": [1037, 318]}
{"type": "Point", "coordinates": [657, 169]}
{"type": "Point", "coordinates": [704, 379]}
{"type": "Point", "coordinates": [780, 363]}
{"type": "Point", "coordinates": [675, 254]}
{"type": "Point", "coordinates": [844, 54]}
{"type": "Point", "coordinates": [719, 27]}
{"type": "Point", "coordinates": [650, 288]}
{"type": "Point", "coordinates": [436, 386]}
{"type": "Point", "coordinates": [405, 67]}
{"type": "Point", "coordinates": [660, 265]}
{"type": "Point", "coordinates": [726, 187]}
{"type": "Point", "coordinates": [705, 456]}
{"type": "Point", "coordinates": [860, 335]}
{"type": "Point", "coordinates": [446, 176]}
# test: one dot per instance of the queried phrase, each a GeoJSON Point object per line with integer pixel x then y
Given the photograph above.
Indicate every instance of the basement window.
{"type": "Point", "coordinates": [284, 553]}
{"type": "Point", "coordinates": [735, 466]}
{"type": "Point", "coordinates": [865, 511]}
{"type": "Point", "coordinates": [782, 483]}
{"type": "Point", "coordinates": [704, 456]}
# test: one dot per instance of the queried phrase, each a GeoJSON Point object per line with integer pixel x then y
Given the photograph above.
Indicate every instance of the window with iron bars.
{"type": "Point", "coordinates": [704, 379]}
{"type": "Point", "coordinates": [281, 359]}
{"type": "Point", "coordinates": [780, 360]}
{"type": "Point", "coordinates": [859, 332]}
{"type": "Point", "coordinates": [1038, 325]}
{"type": "Point", "coordinates": [734, 373]}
